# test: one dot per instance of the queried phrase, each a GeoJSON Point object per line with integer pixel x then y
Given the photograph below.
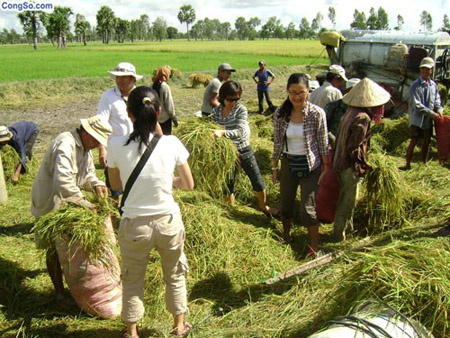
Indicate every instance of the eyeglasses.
{"type": "Point", "coordinates": [297, 93]}
{"type": "Point", "coordinates": [233, 99]}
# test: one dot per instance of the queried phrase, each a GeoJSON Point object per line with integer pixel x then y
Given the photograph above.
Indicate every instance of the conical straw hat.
{"type": "Point", "coordinates": [366, 94]}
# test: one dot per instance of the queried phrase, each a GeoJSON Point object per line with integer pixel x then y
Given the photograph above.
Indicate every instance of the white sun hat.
{"type": "Point", "coordinates": [125, 69]}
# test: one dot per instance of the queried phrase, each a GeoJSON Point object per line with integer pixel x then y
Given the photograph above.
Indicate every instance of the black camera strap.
{"type": "Point", "coordinates": [137, 170]}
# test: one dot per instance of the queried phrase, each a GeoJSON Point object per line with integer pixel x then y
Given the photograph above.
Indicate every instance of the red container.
{"type": "Point", "coordinates": [443, 138]}
{"type": "Point", "coordinates": [328, 195]}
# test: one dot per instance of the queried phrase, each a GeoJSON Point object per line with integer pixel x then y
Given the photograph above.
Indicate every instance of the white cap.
{"type": "Point", "coordinates": [338, 70]}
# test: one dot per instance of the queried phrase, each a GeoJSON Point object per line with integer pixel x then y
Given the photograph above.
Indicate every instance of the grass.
{"type": "Point", "coordinates": [231, 250]}
{"type": "Point", "coordinates": [22, 63]}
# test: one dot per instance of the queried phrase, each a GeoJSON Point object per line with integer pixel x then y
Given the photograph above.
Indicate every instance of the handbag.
{"type": "Point", "coordinates": [137, 170]}
{"type": "Point", "coordinates": [298, 164]}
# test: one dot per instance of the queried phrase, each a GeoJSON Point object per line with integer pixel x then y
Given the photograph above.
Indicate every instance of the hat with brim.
{"type": "Point", "coordinates": [97, 128]}
{"type": "Point", "coordinates": [366, 94]}
{"type": "Point", "coordinates": [5, 134]}
{"type": "Point", "coordinates": [427, 62]}
{"type": "Point", "coordinates": [125, 69]}
{"type": "Point", "coordinates": [338, 70]}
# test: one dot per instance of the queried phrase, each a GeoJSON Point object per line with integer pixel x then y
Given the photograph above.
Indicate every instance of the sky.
{"type": "Point", "coordinates": [228, 10]}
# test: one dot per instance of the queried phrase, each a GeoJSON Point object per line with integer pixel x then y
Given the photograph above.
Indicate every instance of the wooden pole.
{"type": "Point", "coordinates": [3, 193]}
{"type": "Point", "coordinates": [305, 267]}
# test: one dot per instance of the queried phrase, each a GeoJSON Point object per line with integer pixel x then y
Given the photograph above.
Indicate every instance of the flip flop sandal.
{"type": "Point", "coordinates": [124, 334]}
{"type": "Point", "coordinates": [177, 332]}
{"type": "Point", "coordinates": [271, 212]}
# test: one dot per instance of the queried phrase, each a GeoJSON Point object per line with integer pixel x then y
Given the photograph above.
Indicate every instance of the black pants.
{"type": "Point", "coordinates": [166, 127]}
{"type": "Point", "coordinates": [261, 94]}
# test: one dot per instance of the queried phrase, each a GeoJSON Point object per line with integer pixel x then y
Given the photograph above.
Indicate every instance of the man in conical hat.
{"type": "Point", "coordinates": [365, 104]}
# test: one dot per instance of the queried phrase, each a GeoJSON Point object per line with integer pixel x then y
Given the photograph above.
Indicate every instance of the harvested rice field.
{"type": "Point", "coordinates": [393, 256]}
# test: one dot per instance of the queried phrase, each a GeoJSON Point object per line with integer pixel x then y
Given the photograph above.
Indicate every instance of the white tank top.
{"type": "Point", "coordinates": [295, 139]}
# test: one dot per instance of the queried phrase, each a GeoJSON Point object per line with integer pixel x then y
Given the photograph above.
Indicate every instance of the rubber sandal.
{"type": "Point", "coordinates": [124, 334]}
{"type": "Point", "coordinates": [186, 329]}
{"type": "Point", "coordinates": [311, 253]}
{"type": "Point", "coordinates": [271, 212]}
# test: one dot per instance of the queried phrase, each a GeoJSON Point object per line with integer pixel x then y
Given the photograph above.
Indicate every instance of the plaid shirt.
{"type": "Point", "coordinates": [315, 129]}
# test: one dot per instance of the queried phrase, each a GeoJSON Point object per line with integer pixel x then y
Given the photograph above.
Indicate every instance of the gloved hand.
{"type": "Point", "coordinates": [175, 121]}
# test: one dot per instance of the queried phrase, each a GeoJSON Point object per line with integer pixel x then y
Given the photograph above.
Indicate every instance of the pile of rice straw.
{"type": "Point", "coordinates": [211, 161]}
{"type": "Point", "coordinates": [84, 226]}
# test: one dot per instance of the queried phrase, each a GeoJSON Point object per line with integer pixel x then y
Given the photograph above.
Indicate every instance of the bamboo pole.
{"type": "Point", "coordinates": [305, 267]}
{"type": "Point", "coordinates": [3, 193]}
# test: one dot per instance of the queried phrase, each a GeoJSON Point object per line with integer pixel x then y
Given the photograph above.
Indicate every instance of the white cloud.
{"type": "Point", "coordinates": [229, 10]}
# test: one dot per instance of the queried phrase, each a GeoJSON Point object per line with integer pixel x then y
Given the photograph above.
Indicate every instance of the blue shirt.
{"type": "Point", "coordinates": [22, 132]}
{"type": "Point", "coordinates": [424, 101]}
{"type": "Point", "coordinates": [263, 78]}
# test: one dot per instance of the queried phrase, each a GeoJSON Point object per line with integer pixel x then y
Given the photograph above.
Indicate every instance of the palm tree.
{"type": "Point", "coordinates": [81, 27]}
{"type": "Point", "coordinates": [186, 14]}
{"type": "Point", "coordinates": [30, 23]}
{"type": "Point", "coordinates": [105, 22]}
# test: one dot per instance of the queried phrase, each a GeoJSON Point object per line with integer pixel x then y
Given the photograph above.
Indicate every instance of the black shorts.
{"type": "Point", "coordinates": [417, 132]}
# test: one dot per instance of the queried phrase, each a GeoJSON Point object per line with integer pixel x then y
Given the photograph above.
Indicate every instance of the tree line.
{"type": "Point", "coordinates": [112, 28]}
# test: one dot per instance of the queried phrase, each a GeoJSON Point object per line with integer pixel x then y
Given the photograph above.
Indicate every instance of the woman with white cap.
{"type": "Point", "coordinates": [151, 218]}
{"type": "Point", "coordinates": [366, 104]}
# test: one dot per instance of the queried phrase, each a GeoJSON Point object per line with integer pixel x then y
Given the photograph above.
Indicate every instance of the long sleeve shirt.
{"type": "Point", "coordinates": [424, 101]}
{"type": "Point", "coordinates": [166, 100]}
{"type": "Point", "coordinates": [315, 130]}
{"type": "Point", "coordinates": [325, 94]}
{"type": "Point", "coordinates": [236, 125]}
{"type": "Point", "coordinates": [112, 108]}
{"type": "Point", "coordinates": [22, 131]}
{"type": "Point", "coordinates": [65, 169]}
{"type": "Point", "coordinates": [352, 142]}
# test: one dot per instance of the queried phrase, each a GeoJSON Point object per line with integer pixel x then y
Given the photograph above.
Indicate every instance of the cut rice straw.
{"type": "Point", "coordinates": [211, 161]}
{"type": "Point", "coordinates": [84, 226]}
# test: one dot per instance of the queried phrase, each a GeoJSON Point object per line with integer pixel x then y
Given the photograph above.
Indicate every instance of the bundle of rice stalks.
{"type": "Point", "coordinates": [411, 276]}
{"type": "Point", "coordinates": [211, 160]}
{"type": "Point", "coordinates": [384, 188]}
{"type": "Point", "coordinates": [394, 132]}
{"type": "Point", "coordinates": [199, 79]}
{"type": "Point", "coordinates": [10, 158]}
{"type": "Point", "coordinates": [84, 226]}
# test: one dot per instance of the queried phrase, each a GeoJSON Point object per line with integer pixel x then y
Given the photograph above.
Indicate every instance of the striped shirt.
{"type": "Point", "coordinates": [235, 124]}
{"type": "Point", "coordinates": [315, 132]}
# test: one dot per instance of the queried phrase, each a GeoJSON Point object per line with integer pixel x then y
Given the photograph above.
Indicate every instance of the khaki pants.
{"type": "Point", "coordinates": [137, 237]}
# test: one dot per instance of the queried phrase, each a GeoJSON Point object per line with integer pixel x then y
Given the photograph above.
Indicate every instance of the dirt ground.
{"type": "Point", "coordinates": [65, 115]}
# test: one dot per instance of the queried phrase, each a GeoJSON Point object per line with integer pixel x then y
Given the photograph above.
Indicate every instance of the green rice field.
{"type": "Point", "coordinates": [20, 63]}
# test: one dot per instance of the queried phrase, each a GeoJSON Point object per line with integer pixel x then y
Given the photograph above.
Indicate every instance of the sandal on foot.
{"type": "Point", "coordinates": [124, 334]}
{"type": "Point", "coordinates": [271, 212]}
{"type": "Point", "coordinates": [311, 253]}
{"type": "Point", "coordinates": [177, 332]}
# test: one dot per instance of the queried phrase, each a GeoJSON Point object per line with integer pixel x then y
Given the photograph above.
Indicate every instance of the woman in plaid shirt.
{"type": "Point", "coordinates": [232, 116]}
{"type": "Point", "coordinates": [301, 142]}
